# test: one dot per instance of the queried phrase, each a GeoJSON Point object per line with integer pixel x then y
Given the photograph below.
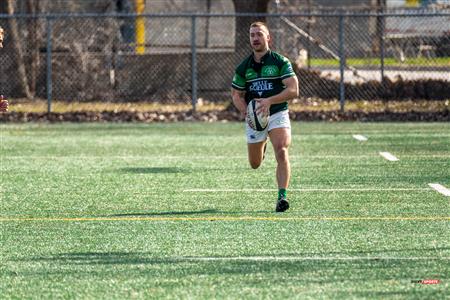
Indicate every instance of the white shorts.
{"type": "Point", "coordinates": [277, 120]}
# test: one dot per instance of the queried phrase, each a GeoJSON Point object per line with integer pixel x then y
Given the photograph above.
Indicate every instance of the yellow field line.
{"type": "Point", "coordinates": [225, 218]}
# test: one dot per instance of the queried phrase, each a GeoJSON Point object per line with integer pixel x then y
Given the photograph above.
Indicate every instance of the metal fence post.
{"type": "Point", "coordinates": [382, 48]}
{"type": "Point", "coordinates": [194, 62]}
{"type": "Point", "coordinates": [342, 62]}
{"type": "Point", "coordinates": [49, 64]}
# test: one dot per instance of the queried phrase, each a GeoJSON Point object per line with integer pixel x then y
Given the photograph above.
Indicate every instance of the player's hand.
{"type": "Point", "coordinates": [263, 107]}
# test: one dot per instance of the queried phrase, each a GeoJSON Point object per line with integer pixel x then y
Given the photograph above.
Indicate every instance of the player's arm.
{"type": "Point", "coordinates": [238, 97]}
{"type": "Point", "coordinates": [1, 37]}
{"type": "Point", "coordinates": [238, 91]}
{"type": "Point", "coordinates": [290, 92]}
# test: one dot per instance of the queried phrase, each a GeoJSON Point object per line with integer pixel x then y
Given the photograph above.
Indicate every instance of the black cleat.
{"type": "Point", "coordinates": [282, 205]}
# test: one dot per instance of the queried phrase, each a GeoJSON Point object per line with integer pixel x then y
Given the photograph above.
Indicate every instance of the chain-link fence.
{"type": "Point", "coordinates": [179, 58]}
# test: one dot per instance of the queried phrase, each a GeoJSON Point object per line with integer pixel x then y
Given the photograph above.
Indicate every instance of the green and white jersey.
{"type": "Point", "coordinates": [262, 80]}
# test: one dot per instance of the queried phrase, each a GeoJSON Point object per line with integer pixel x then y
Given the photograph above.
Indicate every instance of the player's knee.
{"type": "Point", "coordinates": [282, 154]}
{"type": "Point", "coordinates": [255, 163]}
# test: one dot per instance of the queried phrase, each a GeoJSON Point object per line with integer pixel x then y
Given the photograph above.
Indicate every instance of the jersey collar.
{"type": "Point", "coordinates": [263, 58]}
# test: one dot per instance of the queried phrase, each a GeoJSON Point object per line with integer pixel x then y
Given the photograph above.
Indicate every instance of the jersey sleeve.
{"type": "Point", "coordinates": [286, 69]}
{"type": "Point", "coordinates": [238, 81]}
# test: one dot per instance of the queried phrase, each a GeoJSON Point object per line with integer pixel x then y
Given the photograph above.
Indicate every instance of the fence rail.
{"type": "Point", "coordinates": [345, 56]}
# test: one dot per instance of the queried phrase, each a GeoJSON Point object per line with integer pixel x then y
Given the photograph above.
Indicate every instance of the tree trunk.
{"type": "Point", "coordinates": [15, 40]}
{"type": "Point", "coordinates": [377, 26]}
{"type": "Point", "coordinates": [32, 9]}
{"type": "Point", "coordinates": [243, 23]}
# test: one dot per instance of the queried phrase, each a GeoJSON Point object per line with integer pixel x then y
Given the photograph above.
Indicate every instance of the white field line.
{"type": "Point", "coordinates": [360, 137]}
{"type": "Point", "coordinates": [440, 188]}
{"type": "Point", "coordinates": [308, 258]}
{"type": "Point", "coordinates": [388, 156]}
{"type": "Point", "coordinates": [200, 157]}
{"type": "Point", "coordinates": [251, 190]}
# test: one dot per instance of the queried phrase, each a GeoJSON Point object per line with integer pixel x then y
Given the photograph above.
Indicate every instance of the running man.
{"type": "Point", "coordinates": [267, 77]}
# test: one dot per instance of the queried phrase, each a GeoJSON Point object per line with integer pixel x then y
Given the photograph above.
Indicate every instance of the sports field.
{"type": "Point", "coordinates": [114, 211]}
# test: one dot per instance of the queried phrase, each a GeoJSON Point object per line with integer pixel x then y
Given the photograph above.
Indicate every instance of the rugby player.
{"type": "Point", "coordinates": [267, 77]}
{"type": "Point", "coordinates": [3, 103]}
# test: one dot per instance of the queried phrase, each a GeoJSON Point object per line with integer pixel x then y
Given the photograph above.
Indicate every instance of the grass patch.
{"type": "Point", "coordinates": [112, 216]}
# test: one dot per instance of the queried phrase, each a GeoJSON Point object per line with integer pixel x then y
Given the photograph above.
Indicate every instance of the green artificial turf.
{"type": "Point", "coordinates": [173, 211]}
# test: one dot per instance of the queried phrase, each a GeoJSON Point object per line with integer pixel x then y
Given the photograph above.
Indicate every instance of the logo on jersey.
{"type": "Point", "coordinates": [261, 86]}
{"type": "Point", "coordinates": [269, 71]}
{"type": "Point", "coordinates": [289, 69]}
{"type": "Point", "coordinates": [250, 74]}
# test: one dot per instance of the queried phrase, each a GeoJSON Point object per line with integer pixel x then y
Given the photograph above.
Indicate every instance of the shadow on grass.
{"type": "Point", "coordinates": [153, 170]}
{"type": "Point", "coordinates": [169, 170]}
{"type": "Point", "coordinates": [167, 213]}
{"type": "Point", "coordinates": [214, 212]}
{"type": "Point", "coordinates": [327, 258]}
{"type": "Point", "coordinates": [322, 269]}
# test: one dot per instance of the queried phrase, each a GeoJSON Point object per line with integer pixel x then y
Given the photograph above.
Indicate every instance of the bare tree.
{"type": "Point", "coordinates": [243, 23]}
{"type": "Point", "coordinates": [32, 8]}
{"type": "Point", "coordinates": [16, 43]}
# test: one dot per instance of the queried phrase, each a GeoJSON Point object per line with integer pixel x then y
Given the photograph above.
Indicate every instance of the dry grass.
{"type": "Point", "coordinates": [372, 106]}
{"type": "Point", "coordinates": [40, 106]}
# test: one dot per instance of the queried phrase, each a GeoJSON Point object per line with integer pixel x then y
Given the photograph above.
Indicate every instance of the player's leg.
{"type": "Point", "coordinates": [256, 145]}
{"type": "Point", "coordinates": [256, 153]}
{"type": "Point", "coordinates": [280, 137]}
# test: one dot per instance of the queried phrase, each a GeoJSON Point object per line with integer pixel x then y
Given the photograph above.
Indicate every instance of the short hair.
{"type": "Point", "coordinates": [260, 24]}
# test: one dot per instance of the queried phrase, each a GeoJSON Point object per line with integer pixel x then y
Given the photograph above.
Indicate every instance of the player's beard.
{"type": "Point", "coordinates": [259, 47]}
